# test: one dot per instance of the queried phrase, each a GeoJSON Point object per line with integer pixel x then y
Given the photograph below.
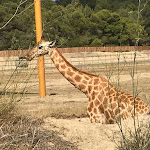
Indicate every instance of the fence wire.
{"type": "Point", "coordinates": [79, 60]}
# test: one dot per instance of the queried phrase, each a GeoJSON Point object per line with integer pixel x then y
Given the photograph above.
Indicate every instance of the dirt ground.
{"type": "Point", "coordinates": [64, 107]}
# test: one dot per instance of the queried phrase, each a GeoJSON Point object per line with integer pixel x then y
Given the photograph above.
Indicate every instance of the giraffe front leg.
{"type": "Point", "coordinates": [94, 114]}
{"type": "Point", "coordinates": [100, 118]}
{"type": "Point", "coordinates": [97, 118]}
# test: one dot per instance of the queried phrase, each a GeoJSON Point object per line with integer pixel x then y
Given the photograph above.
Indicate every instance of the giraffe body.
{"type": "Point", "coordinates": [106, 104]}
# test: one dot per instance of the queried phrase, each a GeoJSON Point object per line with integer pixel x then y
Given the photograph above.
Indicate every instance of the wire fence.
{"type": "Point", "coordinates": [10, 53]}
{"type": "Point", "coordinates": [82, 59]}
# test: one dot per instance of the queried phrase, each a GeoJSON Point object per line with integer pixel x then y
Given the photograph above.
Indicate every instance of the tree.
{"type": "Point", "coordinates": [63, 2]}
{"type": "Point", "coordinates": [102, 4]}
{"type": "Point", "coordinates": [146, 19]}
{"type": "Point", "coordinates": [75, 23]}
{"type": "Point", "coordinates": [17, 32]}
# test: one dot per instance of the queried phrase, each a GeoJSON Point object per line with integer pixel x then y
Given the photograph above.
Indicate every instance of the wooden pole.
{"type": "Point", "coordinates": [38, 22]}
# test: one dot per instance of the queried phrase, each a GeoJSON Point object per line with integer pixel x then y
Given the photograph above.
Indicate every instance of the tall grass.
{"type": "Point", "coordinates": [21, 132]}
{"type": "Point", "coordinates": [13, 85]}
{"type": "Point", "coordinates": [139, 139]}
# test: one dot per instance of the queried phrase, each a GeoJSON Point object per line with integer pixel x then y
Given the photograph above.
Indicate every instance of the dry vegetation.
{"type": "Point", "coordinates": [141, 141]}
{"type": "Point", "coordinates": [22, 113]}
{"type": "Point", "coordinates": [22, 133]}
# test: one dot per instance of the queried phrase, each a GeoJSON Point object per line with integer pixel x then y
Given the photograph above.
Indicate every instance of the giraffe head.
{"type": "Point", "coordinates": [43, 47]}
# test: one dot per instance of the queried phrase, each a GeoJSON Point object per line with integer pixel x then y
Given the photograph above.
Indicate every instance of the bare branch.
{"type": "Point", "coordinates": [25, 9]}
{"type": "Point", "coordinates": [15, 14]}
{"type": "Point", "coordinates": [145, 4]}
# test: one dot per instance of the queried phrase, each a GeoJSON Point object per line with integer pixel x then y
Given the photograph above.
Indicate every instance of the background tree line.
{"type": "Point", "coordinates": [74, 23]}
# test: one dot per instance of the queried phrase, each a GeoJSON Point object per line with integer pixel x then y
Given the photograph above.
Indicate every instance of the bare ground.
{"type": "Point", "coordinates": [64, 111]}
{"type": "Point", "coordinates": [64, 108]}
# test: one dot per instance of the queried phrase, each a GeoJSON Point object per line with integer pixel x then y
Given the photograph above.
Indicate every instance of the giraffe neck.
{"type": "Point", "coordinates": [78, 78]}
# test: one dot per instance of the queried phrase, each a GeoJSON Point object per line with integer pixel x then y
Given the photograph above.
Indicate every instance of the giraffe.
{"type": "Point", "coordinates": [106, 104]}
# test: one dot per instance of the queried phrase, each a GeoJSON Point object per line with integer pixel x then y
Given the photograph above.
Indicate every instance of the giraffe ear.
{"type": "Point", "coordinates": [42, 37]}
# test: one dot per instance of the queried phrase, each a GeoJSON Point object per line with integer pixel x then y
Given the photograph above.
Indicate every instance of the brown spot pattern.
{"type": "Point", "coordinates": [77, 78]}
{"type": "Point", "coordinates": [95, 110]}
{"type": "Point", "coordinates": [95, 87]}
{"type": "Point", "coordinates": [63, 72]}
{"type": "Point", "coordinates": [56, 54]}
{"type": "Point", "coordinates": [60, 60]}
{"type": "Point", "coordinates": [114, 105]}
{"type": "Point", "coordinates": [89, 109]}
{"type": "Point", "coordinates": [107, 93]}
{"type": "Point", "coordinates": [101, 108]}
{"type": "Point", "coordinates": [107, 115]}
{"type": "Point", "coordinates": [96, 81]}
{"type": "Point", "coordinates": [57, 66]}
{"type": "Point", "coordinates": [123, 97]}
{"type": "Point", "coordinates": [89, 88]}
{"type": "Point", "coordinates": [102, 79]}
{"type": "Point", "coordinates": [96, 102]}
{"type": "Point", "coordinates": [111, 121]}
{"type": "Point", "coordinates": [141, 112]}
{"type": "Point", "coordinates": [129, 108]}
{"type": "Point", "coordinates": [111, 113]}
{"type": "Point", "coordinates": [89, 99]}
{"type": "Point", "coordinates": [86, 78]}
{"type": "Point", "coordinates": [105, 101]}
{"type": "Point", "coordinates": [116, 111]}
{"type": "Point", "coordinates": [122, 106]}
{"type": "Point", "coordinates": [70, 79]}
{"type": "Point", "coordinates": [80, 73]}
{"type": "Point", "coordinates": [85, 82]}
{"type": "Point", "coordinates": [91, 104]}
{"type": "Point", "coordinates": [111, 91]}
{"type": "Point", "coordinates": [90, 82]}
{"type": "Point", "coordinates": [81, 86]}
{"type": "Point", "coordinates": [70, 73]}
{"type": "Point", "coordinates": [63, 66]}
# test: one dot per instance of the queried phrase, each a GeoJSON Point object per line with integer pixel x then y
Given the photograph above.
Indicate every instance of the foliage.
{"type": "Point", "coordinates": [75, 23]}
{"type": "Point", "coordinates": [137, 142]}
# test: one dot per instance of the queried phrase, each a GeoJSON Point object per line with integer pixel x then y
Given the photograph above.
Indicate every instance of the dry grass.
{"type": "Point", "coordinates": [22, 133]}
{"type": "Point", "coordinates": [6, 106]}
{"type": "Point", "coordinates": [141, 141]}
{"type": "Point", "coordinates": [17, 132]}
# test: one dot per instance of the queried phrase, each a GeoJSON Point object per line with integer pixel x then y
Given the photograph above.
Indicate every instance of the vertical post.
{"type": "Point", "coordinates": [38, 22]}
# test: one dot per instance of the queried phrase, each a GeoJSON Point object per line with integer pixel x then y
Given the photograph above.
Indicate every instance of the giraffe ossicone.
{"type": "Point", "coordinates": [106, 104]}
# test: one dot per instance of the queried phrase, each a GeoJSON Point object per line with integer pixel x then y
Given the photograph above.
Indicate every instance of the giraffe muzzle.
{"type": "Point", "coordinates": [26, 57]}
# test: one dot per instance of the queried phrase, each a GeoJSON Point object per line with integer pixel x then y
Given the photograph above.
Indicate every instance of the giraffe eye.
{"type": "Point", "coordinates": [40, 47]}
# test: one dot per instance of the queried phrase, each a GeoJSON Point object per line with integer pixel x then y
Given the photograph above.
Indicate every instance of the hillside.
{"type": "Point", "coordinates": [76, 23]}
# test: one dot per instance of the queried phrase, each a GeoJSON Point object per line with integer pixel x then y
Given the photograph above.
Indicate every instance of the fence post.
{"type": "Point", "coordinates": [38, 22]}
